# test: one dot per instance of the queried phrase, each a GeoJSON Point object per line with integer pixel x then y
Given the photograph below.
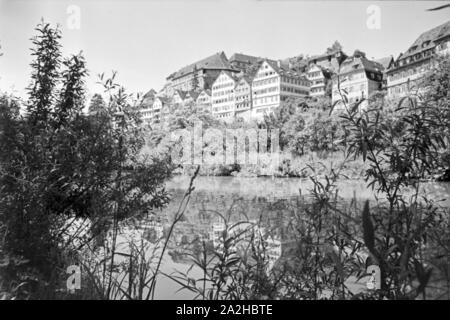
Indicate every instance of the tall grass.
{"type": "Point", "coordinates": [126, 265]}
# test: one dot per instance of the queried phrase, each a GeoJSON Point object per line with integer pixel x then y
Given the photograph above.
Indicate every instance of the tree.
{"type": "Point", "coordinates": [435, 88]}
{"type": "Point", "coordinates": [97, 104]}
{"type": "Point", "coordinates": [45, 75]}
{"type": "Point", "coordinates": [60, 168]}
{"type": "Point", "coordinates": [195, 82]}
{"type": "Point", "coordinates": [336, 46]}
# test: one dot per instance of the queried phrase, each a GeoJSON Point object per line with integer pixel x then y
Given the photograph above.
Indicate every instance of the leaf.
{"type": "Point", "coordinates": [439, 8]}
{"type": "Point", "coordinates": [338, 264]}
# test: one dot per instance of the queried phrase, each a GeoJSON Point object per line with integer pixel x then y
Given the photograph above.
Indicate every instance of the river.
{"type": "Point", "coordinates": [253, 197]}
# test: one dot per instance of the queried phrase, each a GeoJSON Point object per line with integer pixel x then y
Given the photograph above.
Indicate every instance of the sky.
{"type": "Point", "coordinates": [145, 41]}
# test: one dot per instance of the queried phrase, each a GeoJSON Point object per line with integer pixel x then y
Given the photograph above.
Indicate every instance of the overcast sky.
{"type": "Point", "coordinates": [147, 40]}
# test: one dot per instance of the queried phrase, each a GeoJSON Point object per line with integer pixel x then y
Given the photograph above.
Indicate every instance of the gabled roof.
{"type": "Point", "coordinates": [208, 81]}
{"type": "Point", "coordinates": [148, 98]}
{"type": "Point", "coordinates": [360, 62]}
{"type": "Point", "coordinates": [150, 94]}
{"type": "Point", "coordinates": [427, 40]}
{"type": "Point", "coordinates": [385, 62]}
{"type": "Point", "coordinates": [283, 69]}
{"type": "Point", "coordinates": [206, 91]}
{"type": "Point", "coordinates": [180, 93]}
{"type": "Point", "coordinates": [245, 77]}
{"type": "Point", "coordinates": [193, 94]}
{"type": "Point", "coordinates": [228, 73]}
{"type": "Point", "coordinates": [216, 61]}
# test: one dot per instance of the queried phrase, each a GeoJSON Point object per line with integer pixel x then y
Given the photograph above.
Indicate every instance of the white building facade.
{"type": "Point", "coordinates": [223, 97]}
{"type": "Point", "coordinates": [274, 83]}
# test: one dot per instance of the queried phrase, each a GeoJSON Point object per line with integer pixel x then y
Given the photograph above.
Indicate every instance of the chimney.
{"type": "Point", "coordinates": [279, 63]}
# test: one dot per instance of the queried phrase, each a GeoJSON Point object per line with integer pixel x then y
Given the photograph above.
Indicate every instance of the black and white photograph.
{"type": "Point", "coordinates": [224, 154]}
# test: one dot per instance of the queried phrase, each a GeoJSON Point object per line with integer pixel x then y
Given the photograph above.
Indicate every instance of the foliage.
{"type": "Point", "coordinates": [336, 46]}
{"type": "Point", "coordinates": [405, 236]}
{"type": "Point", "coordinates": [66, 177]}
{"type": "Point", "coordinates": [97, 104]}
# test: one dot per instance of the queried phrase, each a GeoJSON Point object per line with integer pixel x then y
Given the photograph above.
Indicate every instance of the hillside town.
{"type": "Point", "coordinates": [279, 150]}
{"type": "Point", "coordinates": [248, 87]}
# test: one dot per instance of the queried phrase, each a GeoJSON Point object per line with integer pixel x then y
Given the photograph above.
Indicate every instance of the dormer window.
{"type": "Point", "coordinates": [426, 43]}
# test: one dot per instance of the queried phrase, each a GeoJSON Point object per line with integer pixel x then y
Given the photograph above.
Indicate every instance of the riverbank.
{"type": "Point", "coordinates": [312, 164]}
{"type": "Point", "coordinates": [286, 165]}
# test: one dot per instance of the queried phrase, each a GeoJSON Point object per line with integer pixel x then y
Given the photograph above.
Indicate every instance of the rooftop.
{"type": "Point", "coordinates": [427, 40]}
{"type": "Point", "coordinates": [216, 61]}
{"type": "Point", "coordinates": [385, 62]}
{"type": "Point", "coordinates": [360, 62]}
{"type": "Point", "coordinates": [244, 58]}
{"type": "Point", "coordinates": [283, 69]}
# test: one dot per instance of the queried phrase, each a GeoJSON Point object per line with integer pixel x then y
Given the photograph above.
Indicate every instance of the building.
{"type": "Point", "coordinates": [204, 100]}
{"type": "Point", "coordinates": [158, 105]}
{"type": "Point", "coordinates": [412, 65]}
{"type": "Point", "coordinates": [178, 97]}
{"type": "Point", "coordinates": [386, 62]}
{"type": "Point", "coordinates": [152, 114]}
{"type": "Point", "coordinates": [222, 96]}
{"type": "Point", "coordinates": [200, 74]}
{"type": "Point", "coordinates": [243, 97]}
{"type": "Point", "coordinates": [329, 60]}
{"type": "Point", "coordinates": [190, 97]}
{"type": "Point", "coordinates": [241, 61]}
{"type": "Point", "coordinates": [149, 98]}
{"type": "Point", "coordinates": [146, 114]}
{"type": "Point", "coordinates": [319, 78]}
{"type": "Point", "coordinates": [359, 78]}
{"type": "Point", "coordinates": [274, 83]}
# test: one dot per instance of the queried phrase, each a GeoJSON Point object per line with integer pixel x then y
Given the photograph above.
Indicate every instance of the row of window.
{"type": "Point", "coordinates": [314, 74]}
{"type": "Point", "coordinates": [222, 100]}
{"type": "Point", "coordinates": [242, 88]}
{"type": "Point", "coordinates": [295, 81]}
{"type": "Point", "coordinates": [266, 90]}
{"type": "Point", "coordinates": [224, 115]}
{"type": "Point", "coordinates": [265, 81]}
{"type": "Point", "coordinates": [222, 93]}
{"type": "Point", "coordinates": [410, 72]}
{"type": "Point", "coordinates": [265, 100]}
{"type": "Point", "coordinates": [413, 58]}
{"type": "Point", "coordinates": [223, 85]}
{"type": "Point", "coordinates": [222, 108]}
{"type": "Point", "coordinates": [262, 74]}
{"type": "Point", "coordinates": [243, 105]}
{"type": "Point", "coordinates": [241, 98]}
{"type": "Point", "coordinates": [204, 100]}
{"type": "Point", "coordinates": [317, 90]}
{"type": "Point", "coordinates": [403, 88]}
{"type": "Point", "coordinates": [294, 90]}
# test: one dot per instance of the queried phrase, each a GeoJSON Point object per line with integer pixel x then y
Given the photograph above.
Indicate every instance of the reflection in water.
{"type": "Point", "coordinates": [266, 203]}
{"type": "Point", "coordinates": [284, 188]}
